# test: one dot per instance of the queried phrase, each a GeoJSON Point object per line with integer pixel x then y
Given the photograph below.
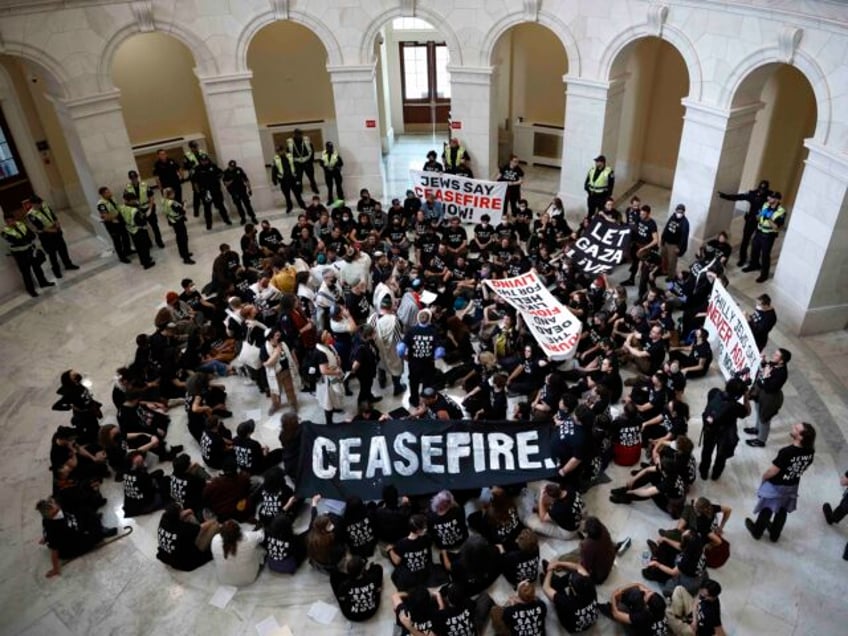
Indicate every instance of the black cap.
{"type": "Point", "coordinates": [776, 195]}
{"type": "Point", "coordinates": [601, 158]}
{"type": "Point", "coordinates": [680, 208]}
{"type": "Point", "coordinates": [132, 173]}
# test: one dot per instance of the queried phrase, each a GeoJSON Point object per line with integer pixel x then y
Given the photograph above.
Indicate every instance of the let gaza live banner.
{"type": "Point", "coordinates": [730, 335]}
{"type": "Point", "coordinates": [600, 248]}
{"type": "Point", "coordinates": [420, 456]}
{"type": "Point", "coordinates": [556, 330]}
{"type": "Point", "coordinates": [469, 199]}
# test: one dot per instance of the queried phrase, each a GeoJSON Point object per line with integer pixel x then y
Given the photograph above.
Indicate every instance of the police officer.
{"type": "Point", "coordinates": [332, 164]}
{"type": "Point", "coordinates": [175, 213]}
{"type": "Point", "coordinates": [238, 185]}
{"type": "Point", "coordinates": [303, 156]}
{"type": "Point", "coordinates": [167, 173]}
{"type": "Point", "coordinates": [21, 242]}
{"type": "Point", "coordinates": [207, 181]}
{"type": "Point", "coordinates": [135, 220]}
{"type": "Point", "coordinates": [191, 159]}
{"type": "Point", "coordinates": [420, 347]}
{"type": "Point", "coordinates": [756, 200]}
{"type": "Point", "coordinates": [45, 223]}
{"type": "Point", "coordinates": [282, 173]}
{"type": "Point", "coordinates": [600, 181]}
{"type": "Point", "coordinates": [454, 155]}
{"type": "Point", "coordinates": [771, 217]}
{"type": "Point", "coordinates": [110, 215]}
{"type": "Point", "coordinates": [144, 194]}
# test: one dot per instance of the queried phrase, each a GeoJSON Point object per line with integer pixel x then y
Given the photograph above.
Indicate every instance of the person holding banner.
{"type": "Point", "coordinates": [762, 321]}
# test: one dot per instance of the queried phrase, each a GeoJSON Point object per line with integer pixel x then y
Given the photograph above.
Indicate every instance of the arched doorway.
{"type": "Point", "coordinates": [527, 88]}
{"type": "Point", "coordinates": [154, 117]}
{"type": "Point", "coordinates": [644, 120]}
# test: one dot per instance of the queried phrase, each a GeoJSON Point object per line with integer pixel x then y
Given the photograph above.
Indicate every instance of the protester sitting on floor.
{"type": "Point", "coordinates": [638, 608]}
{"type": "Point", "coordinates": [446, 522]}
{"type": "Point", "coordinates": [573, 596]}
{"type": "Point", "coordinates": [324, 541]}
{"type": "Point", "coordinates": [523, 613]}
{"type": "Point", "coordinates": [357, 586]}
{"type": "Point", "coordinates": [143, 492]}
{"type": "Point", "coordinates": [238, 554]}
{"type": "Point", "coordinates": [184, 542]}
{"type": "Point", "coordinates": [227, 496]}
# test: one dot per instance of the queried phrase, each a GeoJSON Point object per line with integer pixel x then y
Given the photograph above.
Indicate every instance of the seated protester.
{"type": "Point", "coordinates": [90, 458]}
{"type": "Point", "coordinates": [456, 613]}
{"type": "Point", "coordinates": [183, 541]}
{"type": "Point", "coordinates": [475, 567]}
{"type": "Point", "coordinates": [215, 443]}
{"type": "Point", "coordinates": [117, 444]}
{"type": "Point", "coordinates": [324, 543]}
{"type": "Point", "coordinates": [238, 555]}
{"type": "Point", "coordinates": [143, 492]}
{"type": "Point", "coordinates": [665, 486]}
{"type": "Point", "coordinates": [702, 517]}
{"type": "Point", "coordinates": [522, 614]}
{"type": "Point", "coordinates": [290, 444]}
{"type": "Point", "coordinates": [627, 436]}
{"type": "Point", "coordinates": [574, 597]}
{"type": "Point", "coordinates": [649, 395]}
{"type": "Point", "coordinates": [274, 497]}
{"type": "Point", "coordinates": [411, 556]}
{"type": "Point", "coordinates": [681, 451]}
{"type": "Point", "coordinates": [573, 445]}
{"type": "Point", "coordinates": [285, 550]}
{"type": "Point", "coordinates": [639, 608]}
{"type": "Point", "coordinates": [671, 422]}
{"type": "Point", "coordinates": [675, 380]}
{"type": "Point", "coordinates": [72, 491]}
{"type": "Point", "coordinates": [228, 494]}
{"type": "Point", "coordinates": [607, 376]}
{"type": "Point", "coordinates": [446, 522]}
{"type": "Point", "coordinates": [523, 562]}
{"type": "Point", "coordinates": [251, 456]}
{"type": "Point", "coordinates": [357, 527]}
{"type": "Point", "coordinates": [562, 506]}
{"type": "Point", "coordinates": [699, 615]}
{"type": "Point", "coordinates": [498, 521]}
{"type": "Point", "coordinates": [648, 353]}
{"type": "Point", "coordinates": [415, 611]}
{"type": "Point", "coordinates": [676, 563]}
{"type": "Point", "coordinates": [597, 551]}
{"type": "Point", "coordinates": [694, 359]}
{"type": "Point", "coordinates": [499, 397]}
{"type": "Point", "coordinates": [203, 399]}
{"type": "Point", "coordinates": [357, 587]}
{"type": "Point", "coordinates": [478, 397]}
{"type": "Point", "coordinates": [186, 484]}
{"type": "Point", "coordinates": [391, 516]}
{"type": "Point", "coordinates": [435, 405]}
{"type": "Point", "coordinates": [69, 534]}
{"type": "Point", "coordinates": [547, 400]}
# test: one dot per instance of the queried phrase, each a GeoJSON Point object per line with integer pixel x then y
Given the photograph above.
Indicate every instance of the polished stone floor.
{"type": "Point", "coordinates": [89, 321]}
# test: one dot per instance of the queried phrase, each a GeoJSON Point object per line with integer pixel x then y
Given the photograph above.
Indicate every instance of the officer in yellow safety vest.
{"type": "Point", "coordinates": [44, 221]}
{"type": "Point", "coordinates": [453, 156]}
{"type": "Point", "coordinates": [282, 173]}
{"type": "Point", "coordinates": [135, 220]}
{"type": "Point", "coordinates": [303, 156]}
{"type": "Point", "coordinates": [771, 217]}
{"type": "Point", "coordinates": [332, 163]}
{"type": "Point", "coordinates": [144, 194]}
{"type": "Point", "coordinates": [191, 159]}
{"type": "Point", "coordinates": [600, 181]}
{"type": "Point", "coordinates": [175, 213]}
{"type": "Point", "coordinates": [110, 215]}
{"type": "Point", "coordinates": [21, 241]}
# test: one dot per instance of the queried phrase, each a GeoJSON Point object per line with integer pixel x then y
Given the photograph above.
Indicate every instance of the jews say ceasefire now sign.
{"type": "Point", "coordinates": [468, 199]}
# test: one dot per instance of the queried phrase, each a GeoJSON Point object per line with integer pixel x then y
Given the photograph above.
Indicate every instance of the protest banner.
{"type": "Point", "coordinates": [469, 199]}
{"type": "Point", "coordinates": [600, 248]}
{"type": "Point", "coordinates": [556, 330]}
{"type": "Point", "coordinates": [729, 334]}
{"type": "Point", "coordinates": [420, 456]}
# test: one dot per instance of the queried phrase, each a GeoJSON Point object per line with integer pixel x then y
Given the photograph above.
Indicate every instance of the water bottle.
{"type": "Point", "coordinates": [646, 558]}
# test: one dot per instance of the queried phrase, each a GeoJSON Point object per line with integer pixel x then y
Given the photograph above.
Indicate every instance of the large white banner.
{"type": "Point", "coordinates": [469, 199]}
{"type": "Point", "coordinates": [557, 330]}
{"type": "Point", "coordinates": [730, 336]}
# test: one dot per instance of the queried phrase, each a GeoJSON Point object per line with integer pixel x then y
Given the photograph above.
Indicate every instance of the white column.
{"type": "Point", "coordinates": [235, 129]}
{"type": "Point", "coordinates": [471, 106]}
{"type": "Point", "coordinates": [808, 289]}
{"type": "Point", "coordinates": [712, 153]}
{"type": "Point", "coordinates": [355, 94]}
{"type": "Point", "coordinates": [612, 134]}
{"type": "Point", "coordinates": [583, 137]}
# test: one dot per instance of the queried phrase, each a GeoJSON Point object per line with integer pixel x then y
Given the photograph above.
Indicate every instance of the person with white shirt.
{"type": "Point", "coordinates": [238, 555]}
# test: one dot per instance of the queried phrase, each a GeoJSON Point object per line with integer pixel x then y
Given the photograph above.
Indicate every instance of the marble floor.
{"type": "Point", "coordinates": [89, 321]}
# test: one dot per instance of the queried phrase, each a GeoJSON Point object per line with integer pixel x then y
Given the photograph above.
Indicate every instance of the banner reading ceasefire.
{"type": "Point", "coordinates": [730, 336]}
{"type": "Point", "coordinates": [469, 199]}
{"type": "Point", "coordinates": [557, 330]}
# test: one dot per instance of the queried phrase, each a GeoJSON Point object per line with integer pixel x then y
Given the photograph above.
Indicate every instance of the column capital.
{"type": "Point", "coordinates": [94, 105]}
{"type": "Point", "coordinates": [722, 119]}
{"type": "Point", "coordinates": [830, 161]}
{"type": "Point", "coordinates": [479, 75]}
{"type": "Point", "coordinates": [587, 88]}
{"type": "Point", "coordinates": [352, 73]}
{"type": "Point", "coordinates": [229, 83]}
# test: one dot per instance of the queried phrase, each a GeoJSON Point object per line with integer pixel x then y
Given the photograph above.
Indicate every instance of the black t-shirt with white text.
{"type": "Point", "coordinates": [792, 462]}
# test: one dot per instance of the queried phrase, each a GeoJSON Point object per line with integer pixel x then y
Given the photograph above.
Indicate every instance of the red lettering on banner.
{"type": "Point", "coordinates": [552, 311]}
{"type": "Point", "coordinates": [723, 328]}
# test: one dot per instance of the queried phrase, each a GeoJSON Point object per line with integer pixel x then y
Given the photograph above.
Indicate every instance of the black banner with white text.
{"type": "Point", "coordinates": [600, 248]}
{"type": "Point", "coordinates": [420, 456]}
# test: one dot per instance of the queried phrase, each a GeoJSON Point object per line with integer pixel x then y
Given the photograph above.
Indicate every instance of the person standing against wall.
{"type": "Point", "coordinates": [110, 215]}
{"type": "Point", "coordinates": [332, 163]}
{"type": "Point", "coordinates": [238, 185]}
{"type": "Point", "coordinates": [756, 200]}
{"type": "Point", "coordinates": [454, 156]}
{"type": "Point", "coordinates": [282, 174]}
{"type": "Point", "coordinates": [190, 161]}
{"type": "Point", "coordinates": [21, 241]}
{"type": "Point", "coordinates": [771, 218]}
{"type": "Point", "coordinates": [167, 173]}
{"type": "Point", "coordinates": [303, 156]}
{"type": "Point", "coordinates": [144, 194]}
{"type": "Point", "coordinates": [600, 181]}
{"type": "Point", "coordinates": [46, 224]}
{"type": "Point", "coordinates": [175, 213]}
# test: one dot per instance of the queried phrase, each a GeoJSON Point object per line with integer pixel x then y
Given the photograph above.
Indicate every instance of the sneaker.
{"type": "Point", "coordinates": [741, 263]}
{"type": "Point", "coordinates": [664, 533]}
{"type": "Point", "coordinates": [629, 282]}
{"type": "Point", "coordinates": [752, 430]}
{"type": "Point", "coordinates": [605, 609]}
{"type": "Point", "coordinates": [756, 443]}
{"type": "Point", "coordinates": [623, 546]}
{"type": "Point", "coordinates": [761, 279]}
{"type": "Point", "coordinates": [751, 268]}
{"type": "Point", "coordinates": [752, 529]}
{"type": "Point", "coordinates": [176, 450]}
{"type": "Point", "coordinates": [189, 261]}
{"type": "Point", "coordinates": [652, 546]}
{"type": "Point", "coordinates": [827, 510]}
{"type": "Point", "coordinates": [399, 390]}
{"type": "Point", "coordinates": [109, 532]}
{"type": "Point", "coordinates": [72, 267]}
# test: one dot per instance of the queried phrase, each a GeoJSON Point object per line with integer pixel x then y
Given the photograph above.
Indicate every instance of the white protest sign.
{"type": "Point", "coordinates": [556, 330]}
{"type": "Point", "coordinates": [469, 199]}
{"type": "Point", "coordinates": [730, 335]}
{"type": "Point", "coordinates": [601, 247]}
